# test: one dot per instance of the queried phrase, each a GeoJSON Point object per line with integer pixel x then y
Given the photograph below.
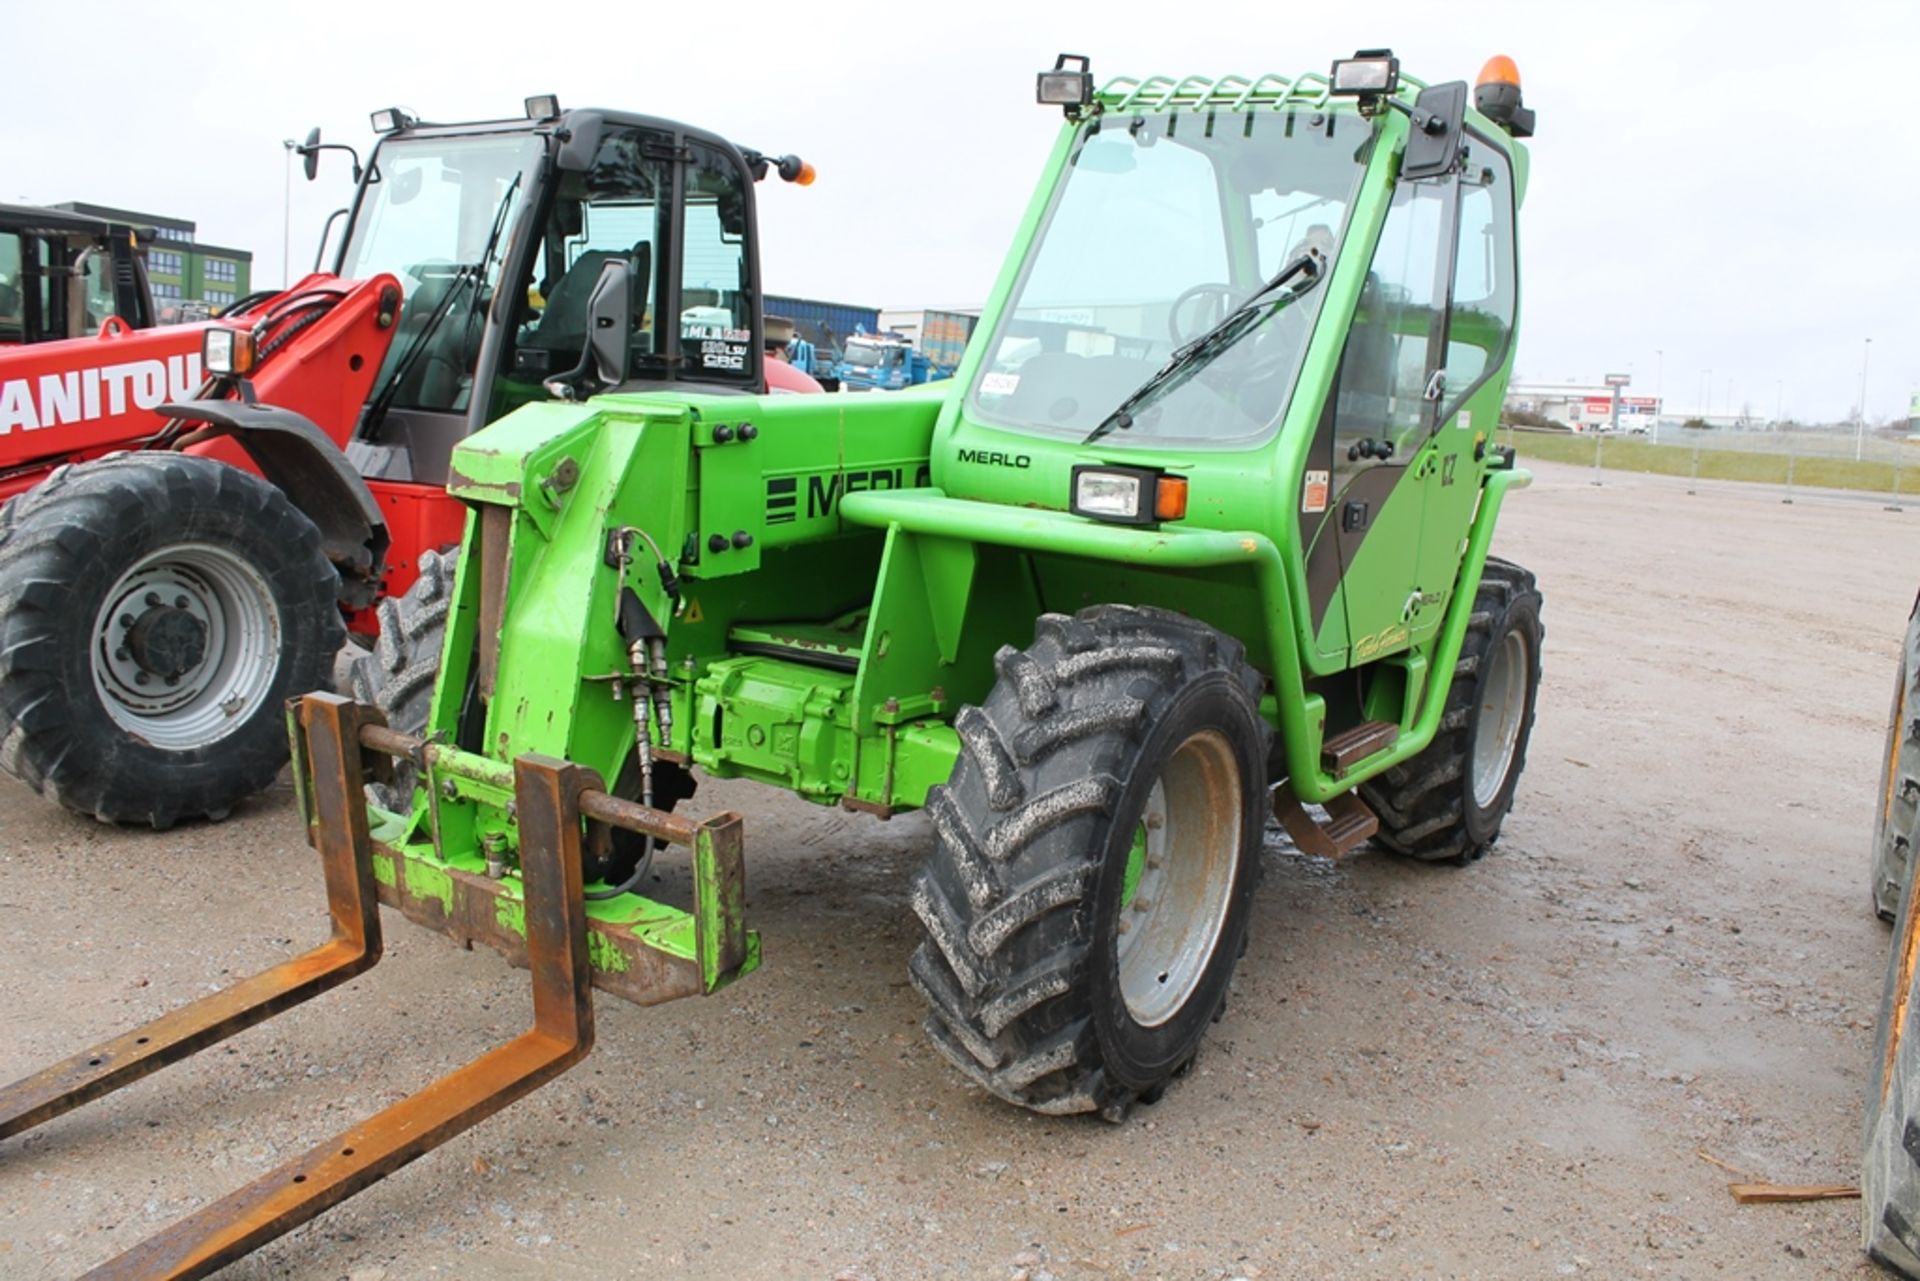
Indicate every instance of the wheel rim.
{"type": "Point", "coordinates": [186, 646]}
{"type": "Point", "coordinates": [1503, 705]}
{"type": "Point", "coordinates": [1179, 878]}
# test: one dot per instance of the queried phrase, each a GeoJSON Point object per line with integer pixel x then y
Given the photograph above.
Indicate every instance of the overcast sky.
{"type": "Point", "coordinates": [1732, 185]}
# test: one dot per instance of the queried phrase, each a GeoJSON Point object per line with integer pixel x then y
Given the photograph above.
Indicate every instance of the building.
{"type": "Point", "coordinates": [182, 269]}
{"type": "Point", "coordinates": [1584, 406]}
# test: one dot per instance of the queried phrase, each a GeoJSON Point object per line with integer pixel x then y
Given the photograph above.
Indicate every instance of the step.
{"type": "Point", "coordinates": [1348, 822]}
{"type": "Point", "coordinates": [1351, 746]}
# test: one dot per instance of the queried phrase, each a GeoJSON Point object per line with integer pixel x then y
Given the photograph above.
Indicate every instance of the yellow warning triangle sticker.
{"type": "Point", "coordinates": [693, 614]}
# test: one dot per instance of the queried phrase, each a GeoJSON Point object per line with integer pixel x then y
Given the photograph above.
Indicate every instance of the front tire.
{"type": "Point", "coordinates": [156, 612]}
{"type": "Point", "coordinates": [1096, 853]}
{"type": "Point", "coordinates": [1447, 803]}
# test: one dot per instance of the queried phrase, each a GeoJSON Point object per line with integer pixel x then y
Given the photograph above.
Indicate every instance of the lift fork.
{"type": "Point", "coordinates": [338, 735]}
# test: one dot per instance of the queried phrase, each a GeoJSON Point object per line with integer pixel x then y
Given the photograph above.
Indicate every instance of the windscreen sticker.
{"type": "Point", "coordinates": [721, 347]}
{"type": "Point", "coordinates": [1466, 420]}
{"type": "Point", "coordinates": [1313, 497]}
{"type": "Point", "coordinates": [999, 384]}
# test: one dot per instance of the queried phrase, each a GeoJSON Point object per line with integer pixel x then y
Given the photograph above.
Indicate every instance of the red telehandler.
{"type": "Point", "coordinates": [195, 516]}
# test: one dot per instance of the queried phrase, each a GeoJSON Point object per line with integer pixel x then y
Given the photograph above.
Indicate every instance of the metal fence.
{"type": "Point", "coordinates": [1859, 463]}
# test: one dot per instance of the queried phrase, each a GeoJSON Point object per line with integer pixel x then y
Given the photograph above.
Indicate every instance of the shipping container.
{"type": "Point", "coordinates": [941, 336]}
{"type": "Point", "coordinates": [944, 336]}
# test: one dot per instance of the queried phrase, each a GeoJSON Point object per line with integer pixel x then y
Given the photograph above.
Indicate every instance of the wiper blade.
{"type": "Point", "coordinates": [463, 272]}
{"type": "Point", "coordinates": [1234, 326]}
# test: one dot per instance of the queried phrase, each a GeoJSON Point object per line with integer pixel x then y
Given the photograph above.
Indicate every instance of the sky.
{"type": "Point", "coordinates": [1723, 201]}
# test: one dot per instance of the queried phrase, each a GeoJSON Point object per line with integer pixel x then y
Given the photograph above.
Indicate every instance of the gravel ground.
{"type": "Point", "coordinates": [1508, 1070]}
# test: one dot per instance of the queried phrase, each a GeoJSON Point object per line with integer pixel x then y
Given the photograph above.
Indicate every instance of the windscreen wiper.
{"type": "Point", "coordinates": [1234, 326]}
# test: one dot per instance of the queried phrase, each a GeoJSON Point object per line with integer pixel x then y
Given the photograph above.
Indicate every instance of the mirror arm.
{"type": "Point", "coordinates": [315, 148]}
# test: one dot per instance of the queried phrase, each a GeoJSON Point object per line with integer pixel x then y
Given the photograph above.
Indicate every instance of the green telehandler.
{"type": "Point", "coordinates": [1197, 535]}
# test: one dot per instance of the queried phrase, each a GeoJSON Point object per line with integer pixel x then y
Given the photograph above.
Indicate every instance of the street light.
{"type": "Point", "coordinates": [1860, 433]}
{"type": "Point", "coordinates": [286, 217]}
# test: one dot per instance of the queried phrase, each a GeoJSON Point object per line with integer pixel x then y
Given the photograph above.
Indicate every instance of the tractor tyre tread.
{"type": "Point", "coordinates": [1899, 816]}
{"type": "Point", "coordinates": [1890, 1155]}
{"type": "Point", "coordinates": [396, 675]}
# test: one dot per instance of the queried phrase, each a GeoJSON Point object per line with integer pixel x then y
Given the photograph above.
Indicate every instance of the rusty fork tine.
{"type": "Point", "coordinates": [547, 793]}
{"type": "Point", "coordinates": [332, 727]}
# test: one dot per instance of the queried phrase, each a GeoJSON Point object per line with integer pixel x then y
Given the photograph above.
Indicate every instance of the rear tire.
{"type": "Point", "coordinates": [1899, 780]}
{"type": "Point", "coordinates": [1447, 803]}
{"type": "Point", "coordinates": [156, 612]}
{"type": "Point", "coordinates": [1096, 853]}
{"type": "Point", "coordinates": [396, 675]}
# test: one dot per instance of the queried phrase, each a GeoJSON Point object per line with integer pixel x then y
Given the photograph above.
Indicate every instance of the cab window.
{"type": "Point", "coordinates": [1384, 373]}
{"type": "Point", "coordinates": [13, 289]}
{"type": "Point", "coordinates": [716, 338]}
{"type": "Point", "coordinates": [614, 211]}
{"type": "Point", "coordinates": [1481, 318]}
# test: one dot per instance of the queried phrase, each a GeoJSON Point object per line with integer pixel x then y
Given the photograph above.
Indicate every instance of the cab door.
{"type": "Point", "coordinates": [1481, 312]}
{"type": "Point", "coordinates": [1386, 407]}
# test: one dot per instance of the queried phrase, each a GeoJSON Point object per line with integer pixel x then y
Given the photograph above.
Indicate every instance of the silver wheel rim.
{"type": "Point", "coordinates": [186, 646]}
{"type": "Point", "coordinates": [1169, 928]}
{"type": "Point", "coordinates": [1503, 705]}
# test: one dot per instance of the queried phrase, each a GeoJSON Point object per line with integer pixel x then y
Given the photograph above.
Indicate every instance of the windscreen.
{"type": "Point", "coordinates": [437, 213]}
{"type": "Point", "coordinates": [1164, 223]}
{"type": "Point", "coordinates": [432, 206]}
{"type": "Point", "coordinates": [866, 353]}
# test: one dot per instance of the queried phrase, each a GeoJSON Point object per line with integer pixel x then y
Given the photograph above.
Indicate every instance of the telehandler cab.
{"type": "Point", "coordinates": [282, 469]}
{"type": "Point", "coordinates": [1197, 534]}
{"type": "Point", "coordinates": [64, 274]}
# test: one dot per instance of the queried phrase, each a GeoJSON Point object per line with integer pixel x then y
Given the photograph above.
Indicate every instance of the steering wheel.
{"type": "Point", "coordinates": [1214, 302]}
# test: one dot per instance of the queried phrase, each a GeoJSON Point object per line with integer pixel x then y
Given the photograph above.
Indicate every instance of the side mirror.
{"type": "Point", "coordinates": [609, 332]}
{"type": "Point", "coordinates": [1435, 128]}
{"type": "Point", "coordinates": [310, 154]}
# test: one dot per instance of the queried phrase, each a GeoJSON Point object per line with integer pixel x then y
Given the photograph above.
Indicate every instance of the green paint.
{"type": "Point", "coordinates": [603, 955]}
{"type": "Point", "coordinates": [1136, 865]}
{"type": "Point", "coordinates": [425, 881]}
{"type": "Point", "coordinates": [383, 870]}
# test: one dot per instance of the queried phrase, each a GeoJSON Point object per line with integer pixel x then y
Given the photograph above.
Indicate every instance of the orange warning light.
{"type": "Point", "coordinates": [1499, 71]}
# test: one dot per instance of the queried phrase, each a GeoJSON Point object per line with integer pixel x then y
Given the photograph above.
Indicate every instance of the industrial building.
{"type": "Point", "coordinates": [181, 269]}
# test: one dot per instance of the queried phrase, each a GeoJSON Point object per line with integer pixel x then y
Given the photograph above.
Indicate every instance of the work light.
{"type": "Point", "coordinates": [1128, 495]}
{"type": "Point", "coordinates": [227, 352]}
{"type": "Point", "coordinates": [1069, 87]}
{"type": "Point", "coordinates": [543, 106]}
{"type": "Point", "coordinates": [389, 120]}
{"type": "Point", "coordinates": [1368, 73]}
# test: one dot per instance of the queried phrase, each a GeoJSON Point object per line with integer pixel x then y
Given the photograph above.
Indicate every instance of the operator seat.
{"type": "Point", "coordinates": [562, 327]}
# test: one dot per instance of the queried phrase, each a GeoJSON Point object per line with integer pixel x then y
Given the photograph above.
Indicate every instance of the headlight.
{"type": "Point", "coordinates": [1128, 495]}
